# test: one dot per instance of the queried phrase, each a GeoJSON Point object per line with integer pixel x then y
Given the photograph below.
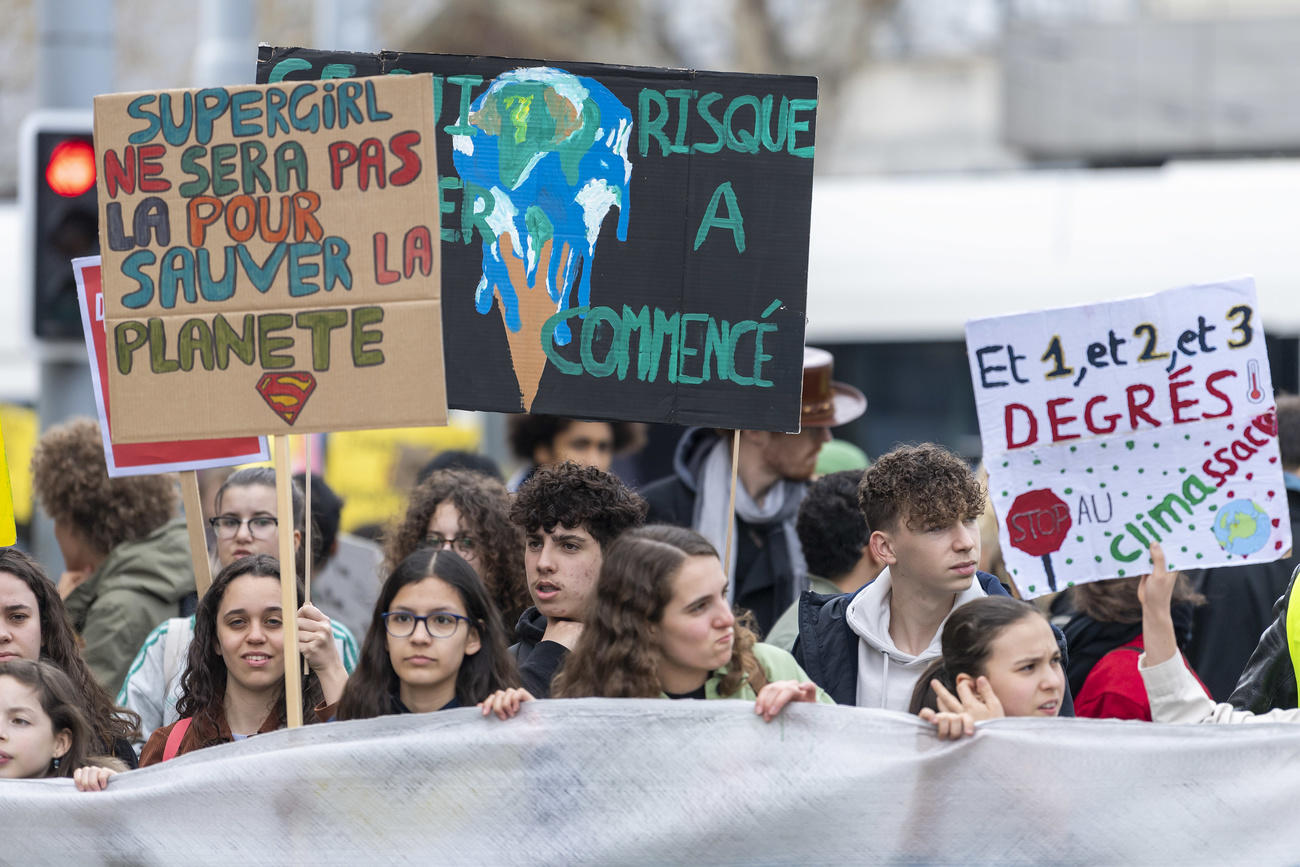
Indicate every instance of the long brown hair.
{"type": "Point", "coordinates": [370, 689]}
{"type": "Point", "coordinates": [484, 507]}
{"type": "Point", "coordinates": [617, 655]}
{"type": "Point", "coordinates": [59, 699]}
{"type": "Point", "coordinates": [203, 686]}
{"type": "Point", "coordinates": [108, 722]}
{"type": "Point", "coordinates": [1116, 601]}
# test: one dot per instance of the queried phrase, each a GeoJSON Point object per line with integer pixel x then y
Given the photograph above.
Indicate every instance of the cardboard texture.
{"type": "Point", "coordinates": [154, 457]}
{"type": "Point", "coordinates": [268, 258]}
{"type": "Point", "coordinates": [618, 242]}
{"type": "Point", "coordinates": [1110, 426]}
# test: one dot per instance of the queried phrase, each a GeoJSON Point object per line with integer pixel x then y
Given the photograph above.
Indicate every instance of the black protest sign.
{"type": "Point", "coordinates": [617, 242]}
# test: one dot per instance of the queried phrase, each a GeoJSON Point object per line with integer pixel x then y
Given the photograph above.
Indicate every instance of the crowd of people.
{"type": "Point", "coordinates": [868, 586]}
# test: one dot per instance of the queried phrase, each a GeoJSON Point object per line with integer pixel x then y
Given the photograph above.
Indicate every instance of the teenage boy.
{"type": "Point", "coordinates": [868, 648]}
{"type": "Point", "coordinates": [568, 513]}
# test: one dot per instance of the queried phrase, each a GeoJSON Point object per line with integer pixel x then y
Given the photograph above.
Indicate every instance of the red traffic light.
{"type": "Point", "coordinates": [71, 169]}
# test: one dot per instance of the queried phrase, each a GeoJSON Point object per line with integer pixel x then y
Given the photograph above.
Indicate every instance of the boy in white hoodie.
{"type": "Point", "coordinates": [868, 648]}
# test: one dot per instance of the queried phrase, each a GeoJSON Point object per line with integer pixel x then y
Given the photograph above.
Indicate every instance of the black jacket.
{"type": "Point", "coordinates": [827, 647]}
{"type": "Point", "coordinates": [1269, 678]}
{"type": "Point", "coordinates": [765, 578]}
{"type": "Point", "coordinates": [538, 660]}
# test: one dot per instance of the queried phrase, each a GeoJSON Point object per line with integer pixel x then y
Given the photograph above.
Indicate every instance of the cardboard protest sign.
{"type": "Point", "coordinates": [1110, 426]}
{"type": "Point", "coordinates": [133, 459]}
{"type": "Point", "coordinates": [269, 262]}
{"type": "Point", "coordinates": [8, 529]}
{"type": "Point", "coordinates": [618, 242]}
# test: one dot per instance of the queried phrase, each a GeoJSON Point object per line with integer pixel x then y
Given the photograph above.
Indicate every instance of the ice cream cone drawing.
{"type": "Point", "coordinates": [547, 161]}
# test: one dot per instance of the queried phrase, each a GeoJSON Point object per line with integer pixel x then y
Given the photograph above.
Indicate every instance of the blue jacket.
{"type": "Point", "coordinates": [827, 648]}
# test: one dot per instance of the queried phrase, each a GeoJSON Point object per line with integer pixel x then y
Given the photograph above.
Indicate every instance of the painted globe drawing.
{"type": "Point", "coordinates": [1241, 528]}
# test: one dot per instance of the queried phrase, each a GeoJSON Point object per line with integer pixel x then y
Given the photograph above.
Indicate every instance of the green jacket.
{"type": "Point", "coordinates": [777, 664]}
{"type": "Point", "coordinates": [139, 585]}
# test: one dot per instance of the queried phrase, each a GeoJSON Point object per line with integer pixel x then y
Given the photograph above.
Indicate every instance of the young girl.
{"type": "Point", "coordinates": [1000, 658]}
{"type": "Point", "coordinates": [34, 625]}
{"type": "Point", "coordinates": [43, 732]}
{"type": "Point", "coordinates": [435, 642]}
{"type": "Point", "coordinates": [233, 685]}
{"type": "Point", "coordinates": [661, 627]}
{"type": "Point", "coordinates": [468, 513]}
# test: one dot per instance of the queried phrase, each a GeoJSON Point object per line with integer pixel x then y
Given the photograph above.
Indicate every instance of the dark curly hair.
{"type": "Point", "coordinates": [967, 641]}
{"type": "Point", "coordinates": [70, 480]}
{"type": "Point", "coordinates": [58, 699]}
{"type": "Point", "coordinates": [832, 531]}
{"type": "Point", "coordinates": [484, 506]}
{"type": "Point", "coordinates": [203, 686]}
{"type": "Point", "coordinates": [527, 432]}
{"type": "Point", "coordinates": [108, 722]}
{"type": "Point", "coordinates": [577, 496]}
{"type": "Point", "coordinates": [370, 689]}
{"type": "Point", "coordinates": [925, 485]}
{"type": "Point", "coordinates": [617, 655]}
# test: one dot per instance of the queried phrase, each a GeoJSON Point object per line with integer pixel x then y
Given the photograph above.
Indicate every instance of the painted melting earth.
{"type": "Point", "coordinates": [552, 152]}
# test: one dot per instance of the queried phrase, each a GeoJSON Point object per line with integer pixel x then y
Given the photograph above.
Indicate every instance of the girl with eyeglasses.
{"type": "Point", "coordinates": [467, 512]}
{"type": "Point", "coordinates": [435, 642]}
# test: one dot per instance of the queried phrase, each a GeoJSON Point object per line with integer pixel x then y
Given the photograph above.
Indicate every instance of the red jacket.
{"type": "Point", "coordinates": [1114, 688]}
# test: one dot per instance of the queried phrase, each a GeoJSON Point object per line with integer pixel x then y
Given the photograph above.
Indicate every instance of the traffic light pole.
{"type": "Point", "coordinates": [76, 61]}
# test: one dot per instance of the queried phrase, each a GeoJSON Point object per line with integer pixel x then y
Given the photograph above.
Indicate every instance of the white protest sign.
{"type": "Point", "coordinates": [1110, 426]}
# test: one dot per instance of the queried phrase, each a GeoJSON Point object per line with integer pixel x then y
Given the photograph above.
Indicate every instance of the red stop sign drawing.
{"type": "Point", "coordinates": [1037, 523]}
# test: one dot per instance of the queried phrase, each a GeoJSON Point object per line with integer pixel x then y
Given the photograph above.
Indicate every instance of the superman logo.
{"type": "Point", "coordinates": [286, 393]}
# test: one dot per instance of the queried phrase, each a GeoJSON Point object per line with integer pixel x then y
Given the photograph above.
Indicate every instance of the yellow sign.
{"type": "Point", "coordinates": [8, 532]}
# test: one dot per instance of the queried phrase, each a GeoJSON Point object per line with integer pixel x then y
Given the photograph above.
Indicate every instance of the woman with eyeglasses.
{"type": "Point", "coordinates": [467, 512]}
{"type": "Point", "coordinates": [435, 642]}
{"type": "Point", "coordinates": [246, 524]}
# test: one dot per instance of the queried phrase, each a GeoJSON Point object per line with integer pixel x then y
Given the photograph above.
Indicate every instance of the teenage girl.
{"type": "Point", "coordinates": [34, 625]}
{"type": "Point", "coordinates": [435, 642]}
{"type": "Point", "coordinates": [661, 627]}
{"type": "Point", "coordinates": [1000, 658]}
{"type": "Point", "coordinates": [233, 685]}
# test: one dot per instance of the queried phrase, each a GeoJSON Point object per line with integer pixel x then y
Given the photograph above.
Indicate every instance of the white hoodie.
{"type": "Point", "coordinates": [887, 675]}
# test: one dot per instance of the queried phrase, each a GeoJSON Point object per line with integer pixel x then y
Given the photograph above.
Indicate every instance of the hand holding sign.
{"type": "Point", "coordinates": [1037, 523]}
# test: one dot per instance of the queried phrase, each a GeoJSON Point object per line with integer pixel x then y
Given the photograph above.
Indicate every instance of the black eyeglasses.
{"type": "Point", "coordinates": [465, 546]}
{"type": "Point", "coordinates": [441, 624]}
{"type": "Point", "coordinates": [227, 526]}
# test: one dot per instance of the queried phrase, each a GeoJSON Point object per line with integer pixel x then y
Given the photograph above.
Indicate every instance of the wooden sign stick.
{"type": "Point", "coordinates": [731, 502]}
{"type": "Point", "coordinates": [288, 582]}
{"type": "Point", "coordinates": [307, 522]}
{"type": "Point", "coordinates": [198, 536]}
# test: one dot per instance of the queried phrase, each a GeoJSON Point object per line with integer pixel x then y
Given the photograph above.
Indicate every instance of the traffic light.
{"type": "Point", "coordinates": [62, 215]}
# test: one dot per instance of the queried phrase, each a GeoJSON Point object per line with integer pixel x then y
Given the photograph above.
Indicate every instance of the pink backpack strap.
{"type": "Point", "coordinates": [174, 738]}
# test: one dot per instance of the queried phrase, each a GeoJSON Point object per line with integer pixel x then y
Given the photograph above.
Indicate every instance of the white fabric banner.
{"type": "Point", "coordinates": [649, 781]}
